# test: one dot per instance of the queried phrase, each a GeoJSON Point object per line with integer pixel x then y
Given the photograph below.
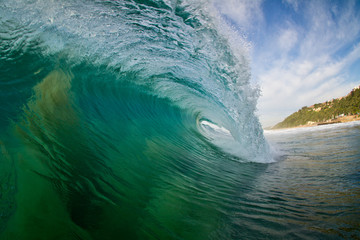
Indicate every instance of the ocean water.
{"type": "Point", "coordinates": [315, 186]}
{"type": "Point", "coordinates": [137, 120]}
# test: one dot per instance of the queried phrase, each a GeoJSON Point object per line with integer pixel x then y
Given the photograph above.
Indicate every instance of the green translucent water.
{"type": "Point", "coordinates": [135, 120]}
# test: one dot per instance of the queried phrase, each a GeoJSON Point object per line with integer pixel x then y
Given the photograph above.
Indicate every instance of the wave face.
{"type": "Point", "coordinates": [122, 119]}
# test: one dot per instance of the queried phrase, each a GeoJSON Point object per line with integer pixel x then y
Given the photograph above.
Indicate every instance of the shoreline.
{"type": "Point", "coordinates": [345, 119]}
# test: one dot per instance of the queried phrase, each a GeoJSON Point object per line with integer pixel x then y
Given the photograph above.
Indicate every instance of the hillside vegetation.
{"type": "Point", "coordinates": [327, 112]}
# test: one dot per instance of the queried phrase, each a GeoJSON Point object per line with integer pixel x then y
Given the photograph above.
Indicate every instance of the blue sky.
{"type": "Point", "coordinates": [302, 52]}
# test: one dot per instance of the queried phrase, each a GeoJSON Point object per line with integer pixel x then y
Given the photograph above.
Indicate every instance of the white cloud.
{"type": "Point", "coordinates": [287, 39]}
{"type": "Point", "coordinates": [293, 3]}
{"type": "Point", "coordinates": [304, 68]}
{"type": "Point", "coordinates": [302, 64]}
{"type": "Point", "coordinates": [301, 55]}
{"type": "Point", "coordinates": [244, 13]}
{"type": "Point", "coordinates": [286, 90]}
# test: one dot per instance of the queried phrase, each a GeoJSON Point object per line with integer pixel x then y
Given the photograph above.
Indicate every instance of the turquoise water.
{"type": "Point", "coordinates": [136, 120]}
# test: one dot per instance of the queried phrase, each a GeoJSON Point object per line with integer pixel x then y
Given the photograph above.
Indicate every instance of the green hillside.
{"type": "Point", "coordinates": [322, 112]}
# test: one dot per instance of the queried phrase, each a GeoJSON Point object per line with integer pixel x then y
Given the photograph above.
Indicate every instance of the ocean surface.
{"type": "Point", "coordinates": [137, 120]}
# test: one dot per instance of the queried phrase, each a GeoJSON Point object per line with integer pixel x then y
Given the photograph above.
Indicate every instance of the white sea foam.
{"type": "Point", "coordinates": [311, 129]}
{"type": "Point", "coordinates": [216, 128]}
{"type": "Point", "coordinates": [199, 63]}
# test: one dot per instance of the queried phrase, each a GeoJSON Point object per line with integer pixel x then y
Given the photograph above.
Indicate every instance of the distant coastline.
{"type": "Point", "coordinates": [344, 119]}
{"type": "Point", "coordinates": [339, 110]}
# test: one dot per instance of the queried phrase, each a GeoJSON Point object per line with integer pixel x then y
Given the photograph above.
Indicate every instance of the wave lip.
{"type": "Point", "coordinates": [178, 49]}
{"type": "Point", "coordinates": [134, 112]}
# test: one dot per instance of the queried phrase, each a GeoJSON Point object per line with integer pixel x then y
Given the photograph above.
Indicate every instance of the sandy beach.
{"type": "Point", "coordinates": [344, 119]}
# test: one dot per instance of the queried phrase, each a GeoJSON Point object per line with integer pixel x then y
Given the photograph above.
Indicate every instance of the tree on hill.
{"type": "Point", "coordinates": [321, 112]}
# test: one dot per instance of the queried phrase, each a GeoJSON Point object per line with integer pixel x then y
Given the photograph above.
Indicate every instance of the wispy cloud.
{"type": "Point", "coordinates": [293, 3]}
{"type": "Point", "coordinates": [304, 55]}
{"type": "Point", "coordinates": [246, 14]}
{"type": "Point", "coordinates": [287, 39]}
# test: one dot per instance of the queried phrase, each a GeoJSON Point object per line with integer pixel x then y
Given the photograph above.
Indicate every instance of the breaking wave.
{"type": "Point", "coordinates": [130, 113]}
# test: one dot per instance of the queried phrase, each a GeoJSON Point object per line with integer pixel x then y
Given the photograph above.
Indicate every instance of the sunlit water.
{"type": "Point", "coordinates": [315, 188]}
{"type": "Point", "coordinates": [136, 120]}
